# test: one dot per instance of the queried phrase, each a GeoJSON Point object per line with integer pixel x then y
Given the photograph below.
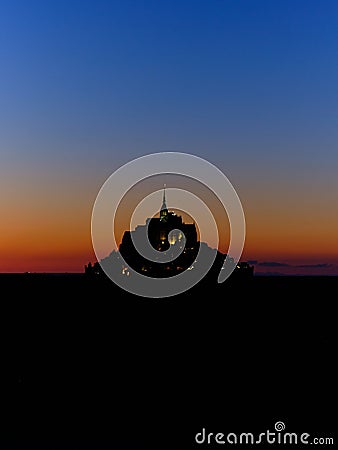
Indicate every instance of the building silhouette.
{"type": "Point", "coordinates": [167, 234]}
{"type": "Point", "coordinates": [163, 247]}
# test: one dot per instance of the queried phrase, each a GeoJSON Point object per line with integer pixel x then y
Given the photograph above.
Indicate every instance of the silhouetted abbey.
{"type": "Point", "coordinates": [166, 233]}
{"type": "Point", "coordinates": [178, 243]}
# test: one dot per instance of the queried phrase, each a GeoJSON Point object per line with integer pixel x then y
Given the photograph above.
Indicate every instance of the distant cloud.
{"type": "Point", "coordinates": [274, 274]}
{"type": "Point", "coordinates": [273, 264]}
{"type": "Point", "coordinates": [314, 266]}
{"type": "Point", "coordinates": [276, 264]}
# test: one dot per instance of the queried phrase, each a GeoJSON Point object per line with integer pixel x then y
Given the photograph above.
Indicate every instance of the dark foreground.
{"type": "Point", "coordinates": [86, 366]}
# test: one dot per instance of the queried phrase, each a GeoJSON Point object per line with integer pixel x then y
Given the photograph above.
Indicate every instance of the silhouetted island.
{"type": "Point", "coordinates": [179, 249]}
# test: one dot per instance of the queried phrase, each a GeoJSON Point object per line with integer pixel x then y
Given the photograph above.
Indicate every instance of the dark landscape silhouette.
{"type": "Point", "coordinates": [87, 362]}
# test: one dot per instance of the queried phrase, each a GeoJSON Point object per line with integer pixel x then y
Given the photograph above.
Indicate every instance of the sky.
{"type": "Point", "coordinates": [87, 86]}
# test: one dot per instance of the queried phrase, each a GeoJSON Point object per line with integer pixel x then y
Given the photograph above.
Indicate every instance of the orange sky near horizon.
{"type": "Point", "coordinates": [48, 230]}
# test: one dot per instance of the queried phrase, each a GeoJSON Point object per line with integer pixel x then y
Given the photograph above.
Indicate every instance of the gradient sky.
{"type": "Point", "coordinates": [251, 86]}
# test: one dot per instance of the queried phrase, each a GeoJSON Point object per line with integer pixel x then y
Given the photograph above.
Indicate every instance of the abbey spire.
{"type": "Point", "coordinates": [164, 210]}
